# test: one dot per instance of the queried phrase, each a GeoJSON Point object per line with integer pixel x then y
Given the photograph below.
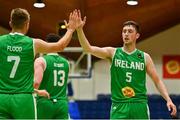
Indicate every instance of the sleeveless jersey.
{"type": "Point", "coordinates": [55, 76]}
{"type": "Point", "coordinates": [16, 63]}
{"type": "Point", "coordinates": [128, 76]}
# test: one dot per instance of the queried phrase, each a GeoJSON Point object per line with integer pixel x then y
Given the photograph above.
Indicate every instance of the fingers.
{"type": "Point", "coordinates": [70, 16]}
{"type": "Point", "coordinates": [75, 14]}
{"type": "Point", "coordinates": [48, 96]}
{"type": "Point", "coordinates": [84, 20]}
{"type": "Point", "coordinates": [169, 108]}
{"type": "Point", "coordinates": [79, 13]}
{"type": "Point", "coordinates": [174, 110]}
{"type": "Point", "coordinates": [66, 24]}
{"type": "Point", "coordinates": [75, 20]}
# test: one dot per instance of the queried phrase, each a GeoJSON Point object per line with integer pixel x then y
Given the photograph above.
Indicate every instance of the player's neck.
{"type": "Point", "coordinates": [18, 31]}
{"type": "Point", "coordinates": [129, 48]}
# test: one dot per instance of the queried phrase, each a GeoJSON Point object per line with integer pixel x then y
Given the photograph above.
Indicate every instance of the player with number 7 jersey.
{"type": "Point", "coordinates": [16, 77]}
{"type": "Point", "coordinates": [16, 63]}
{"type": "Point", "coordinates": [17, 53]}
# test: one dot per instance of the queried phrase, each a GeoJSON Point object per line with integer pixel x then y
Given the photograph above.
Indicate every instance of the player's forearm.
{"type": "Point", "coordinates": [36, 85]}
{"type": "Point", "coordinates": [163, 91]}
{"type": "Point", "coordinates": [38, 76]}
{"type": "Point", "coordinates": [83, 40]}
{"type": "Point", "coordinates": [37, 80]}
{"type": "Point", "coordinates": [64, 41]}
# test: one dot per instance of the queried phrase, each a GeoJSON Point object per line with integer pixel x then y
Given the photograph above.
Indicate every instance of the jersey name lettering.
{"type": "Point", "coordinates": [58, 65]}
{"type": "Point", "coordinates": [14, 48]}
{"type": "Point", "coordinates": [131, 65]}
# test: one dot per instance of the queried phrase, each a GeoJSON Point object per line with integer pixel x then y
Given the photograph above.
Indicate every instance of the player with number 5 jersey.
{"type": "Point", "coordinates": [129, 66]}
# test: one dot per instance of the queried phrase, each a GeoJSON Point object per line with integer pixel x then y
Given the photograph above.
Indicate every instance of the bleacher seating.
{"type": "Point", "coordinates": [100, 108]}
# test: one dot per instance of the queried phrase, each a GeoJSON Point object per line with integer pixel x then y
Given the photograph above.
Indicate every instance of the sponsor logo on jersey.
{"type": "Point", "coordinates": [140, 55]}
{"type": "Point", "coordinates": [128, 91]}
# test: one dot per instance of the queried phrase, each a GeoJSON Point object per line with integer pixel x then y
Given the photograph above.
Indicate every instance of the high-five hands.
{"type": "Point", "coordinates": [71, 25]}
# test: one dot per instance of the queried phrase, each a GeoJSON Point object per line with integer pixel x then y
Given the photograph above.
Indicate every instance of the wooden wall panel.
{"type": "Point", "coordinates": [104, 17]}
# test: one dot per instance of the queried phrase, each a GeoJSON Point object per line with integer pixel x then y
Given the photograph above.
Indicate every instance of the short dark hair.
{"type": "Point", "coordinates": [19, 17]}
{"type": "Point", "coordinates": [52, 37]}
{"type": "Point", "coordinates": [134, 24]}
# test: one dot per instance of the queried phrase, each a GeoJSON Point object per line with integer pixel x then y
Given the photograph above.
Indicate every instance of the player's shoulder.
{"type": "Point", "coordinates": [145, 53]}
{"type": "Point", "coordinates": [40, 60]}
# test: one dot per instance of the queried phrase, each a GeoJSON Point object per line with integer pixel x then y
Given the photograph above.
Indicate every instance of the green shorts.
{"type": "Point", "coordinates": [17, 106]}
{"type": "Point", "coordinates": [52, 108]}
{"type": "Point", "coordinates": [129, 111]}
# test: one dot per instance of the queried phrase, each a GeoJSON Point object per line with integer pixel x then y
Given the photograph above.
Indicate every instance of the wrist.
{"type": "Point", "coordinates": [79, 29]}
{"type": "Point", "coordinates": [71, 30]}
{"type": "Point", "coordinates": [169, 100]}
{"type": "Point", "coordinates": [35, 90]}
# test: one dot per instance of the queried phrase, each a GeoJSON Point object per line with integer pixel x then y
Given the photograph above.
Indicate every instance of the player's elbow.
{"type": "Point", "coordinates": [61, 47]}
{"type": "Point", "coordinates": [36, 85]}
{"type": "Point", "coordinates": [87, 49]}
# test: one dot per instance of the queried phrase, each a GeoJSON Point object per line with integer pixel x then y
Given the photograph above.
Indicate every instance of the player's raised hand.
{"type": "Point", "coordinates": [72, 21]}
{"type": "Point", "coordinates": [80, 23]}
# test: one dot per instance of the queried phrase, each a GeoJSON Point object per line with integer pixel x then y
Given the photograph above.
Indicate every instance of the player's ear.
{"type": "Point", "coordinates": [10, 24]}
{"type": "Point", "coordinates": [137, 35]}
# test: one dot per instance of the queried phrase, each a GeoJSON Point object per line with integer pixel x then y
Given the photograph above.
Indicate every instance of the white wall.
{"type": "Point", "coordinates": [166, 42]}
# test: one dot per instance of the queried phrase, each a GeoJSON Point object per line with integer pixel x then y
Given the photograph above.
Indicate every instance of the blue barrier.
{"type": "Point", "coordinates": [100, 109]}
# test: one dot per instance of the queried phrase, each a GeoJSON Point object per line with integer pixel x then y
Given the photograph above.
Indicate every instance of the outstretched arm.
{"type": "Point", "coordinates": [159, 84]}
{"type": "Point", "coordinates": [104, 53]}
{"type": "Point", "coordinates": [44, 47]}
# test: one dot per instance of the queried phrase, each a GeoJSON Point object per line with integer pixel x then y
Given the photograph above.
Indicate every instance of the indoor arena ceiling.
{"type": "Point", "coordinates": [104, 17]}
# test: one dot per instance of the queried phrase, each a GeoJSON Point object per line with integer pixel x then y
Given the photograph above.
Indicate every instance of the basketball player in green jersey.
{"type": "Point", "coordinates": [51, 74]}
{"type": "Point", "coordinates": [17, 53]}
{"type": "Point", "coordinates": [128, 73]}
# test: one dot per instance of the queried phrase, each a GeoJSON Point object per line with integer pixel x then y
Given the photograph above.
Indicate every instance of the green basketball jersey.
{"type": "Point", "coordinates": [55, 76]}
{"type": "Point", "coordinates": [128, 76]}
{"type": "Point", "coordinates": [16, 63]}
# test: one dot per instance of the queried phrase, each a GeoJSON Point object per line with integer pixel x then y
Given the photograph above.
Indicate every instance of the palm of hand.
{"type": "Point", "coordinates": [80, 23]}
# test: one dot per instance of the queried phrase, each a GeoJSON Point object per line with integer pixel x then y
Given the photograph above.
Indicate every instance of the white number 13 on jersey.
{"type": "Point", "coordinates": [59, 81]}
{"type": "Point", "coordinates": [128, 76]}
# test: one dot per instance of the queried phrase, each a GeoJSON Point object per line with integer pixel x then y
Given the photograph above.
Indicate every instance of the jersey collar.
{"type": "Point", "coordinates": [129, 53]}
{"type": "Point", "coordinates": [16, 33]}
{"type": "Point", "coordinates": [53, 54]}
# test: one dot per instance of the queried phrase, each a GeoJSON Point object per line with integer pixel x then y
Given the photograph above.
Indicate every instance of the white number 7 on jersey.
{"type": "Point", "coordinates": [16, 63]}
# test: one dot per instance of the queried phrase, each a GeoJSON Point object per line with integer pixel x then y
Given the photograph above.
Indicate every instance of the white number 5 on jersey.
{"type": "Point", "coordinates": [128, 76]}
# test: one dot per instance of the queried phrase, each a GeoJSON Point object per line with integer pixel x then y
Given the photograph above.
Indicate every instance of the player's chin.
{"type": "Point", "coordinates": [126, 42]}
